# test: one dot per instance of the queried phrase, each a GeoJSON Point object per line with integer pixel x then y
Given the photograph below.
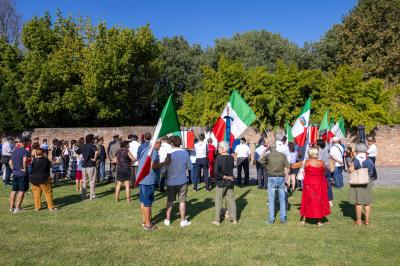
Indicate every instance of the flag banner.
{"type": "Point", "coordinates": [313, 135]}
{"type": "Point", "coordinates": [235, 118]}
{"type": "Point", "coordinates": [167, 123]}
{"type": "Point", "coordinates": [338, 129]}
{"type": "Point", "coordinates": [288, 132]}
{"type": "Point", "coordinates": [299, 129]}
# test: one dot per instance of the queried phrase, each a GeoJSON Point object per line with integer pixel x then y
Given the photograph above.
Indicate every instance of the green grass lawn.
{"type": "Point", "coordinates": [104, 232]}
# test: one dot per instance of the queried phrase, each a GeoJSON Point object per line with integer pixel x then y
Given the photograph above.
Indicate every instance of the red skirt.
{"type": "Point", "coordinates": [78, 175]}
{"type": "Point", "coordinates": [314, 201]}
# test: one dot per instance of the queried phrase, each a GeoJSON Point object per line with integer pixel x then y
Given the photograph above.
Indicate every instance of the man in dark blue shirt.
{"type": "Point", "coordinates": [144, 145]}
{"type": "Point", "coordinates": [20, 183]}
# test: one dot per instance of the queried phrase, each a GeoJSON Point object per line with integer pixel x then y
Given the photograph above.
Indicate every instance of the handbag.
{"type": "Point", "coordinates": [359, 177]}
{"type": "Point", "coordinates": [300, 174]}
{"type": "Point", "coordinates": [332, 165]}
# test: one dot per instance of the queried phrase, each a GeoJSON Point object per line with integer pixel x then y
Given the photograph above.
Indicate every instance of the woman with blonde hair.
{"type": "Point", "coordinates": [361, 194]}
{"type": "Point", "coordinates": [314, 200]}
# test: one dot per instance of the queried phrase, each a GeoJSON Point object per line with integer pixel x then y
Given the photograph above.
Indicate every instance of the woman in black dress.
{"type": "Point", "coordinates": [123, 159]}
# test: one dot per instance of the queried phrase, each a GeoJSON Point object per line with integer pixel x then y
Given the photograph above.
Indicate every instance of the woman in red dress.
{"type": "Point", "coordinates": [314, 200]}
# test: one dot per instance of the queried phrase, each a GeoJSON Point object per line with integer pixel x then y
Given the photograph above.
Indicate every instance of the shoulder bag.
{"type": "Point", "coordinates": [300, 174]}
{"type": "Point", "coordinates": [359, 177]}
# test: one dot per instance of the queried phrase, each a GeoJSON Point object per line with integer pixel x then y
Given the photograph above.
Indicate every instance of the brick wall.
{"type": "Point", "coordinates": [387, 138]}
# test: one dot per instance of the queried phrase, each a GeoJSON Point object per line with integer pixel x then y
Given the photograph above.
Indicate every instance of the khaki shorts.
{"type": "Point", "coordinates": [181, 190]}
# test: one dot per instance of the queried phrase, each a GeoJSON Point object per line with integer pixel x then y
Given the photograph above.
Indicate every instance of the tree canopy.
{"type": "Point", "coordinates": [67, 71]}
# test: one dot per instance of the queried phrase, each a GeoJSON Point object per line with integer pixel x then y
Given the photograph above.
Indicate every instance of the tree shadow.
{"type": "Point", "coordinates": [241, 203]}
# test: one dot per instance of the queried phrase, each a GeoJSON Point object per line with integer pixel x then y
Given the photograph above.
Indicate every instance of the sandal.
{"type": "Point", "coordinates": [366, 222]}
{"type": "Point", "coordinates": [357, 223]}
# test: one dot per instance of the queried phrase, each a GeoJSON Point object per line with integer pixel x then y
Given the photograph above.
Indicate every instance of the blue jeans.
{"type": "Point", "coordinates": [102, 170]}
{"type": "Point", "coordinates": [193, 176]}
{"type": "Point", "coordinates": [328, 181]}
{"type": "Point", "coordinates": [338, 176]}
{"type": "Point", "coordinates": [276, 183]}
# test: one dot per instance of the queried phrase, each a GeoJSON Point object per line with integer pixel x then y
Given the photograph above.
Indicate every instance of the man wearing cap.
{"type": "Point", "coordinates": [7, 149]}
{"type": "Point", "coordinates": [336, 154]}
{"type": "Point", "coordinates": [281, 145]}
{"type": "Point", "coordinates": [133, 149]}
{"type": "Point", "coordinates": [19, 166]}
{"type": "Point", "coordinates": [261, 173]}
{"type": "Point", "coordinates": [242, 157]}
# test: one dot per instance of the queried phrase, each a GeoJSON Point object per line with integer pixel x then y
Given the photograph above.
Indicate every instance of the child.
{"type": "Point", "coordinates": [78, 175]}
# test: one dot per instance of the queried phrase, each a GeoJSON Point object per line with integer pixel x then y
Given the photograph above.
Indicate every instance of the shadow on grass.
{"type": "Point", "coordinates": [348, 209]}
{"type": "Point", "coordinates": [193, 208]}
{"type": "Point", "coordinates": [241, 203]}
{"type": "Point", "coordinates": [67, 200]}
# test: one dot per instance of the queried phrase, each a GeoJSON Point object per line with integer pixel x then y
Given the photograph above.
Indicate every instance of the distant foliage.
{"type": "Point", "coordinates": [368, 38]}
{"type": "Point", "coordinates": [278, 96]}
{"type": "Point", "coordinates": [67, 71]}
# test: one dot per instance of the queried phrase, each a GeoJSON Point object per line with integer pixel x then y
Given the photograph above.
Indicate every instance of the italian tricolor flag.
{"type": "Point", "coordinates": [167, 123]}
{"type": "Point", "coordinates": [235, 118]}
{"type": "Point", "coordinates": [299, 129]}
{"type": "Point", "coordinates": [324, 128]}
{"type": "Point", "coordinates": [338, 129]}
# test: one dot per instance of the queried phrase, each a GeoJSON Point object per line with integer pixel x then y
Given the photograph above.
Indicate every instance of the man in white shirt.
{"type": "Point", "coordinates": [243, 158]}
{"type": "Point", "coordinates": [6, 152]}
{"type": "Point", "coordinates": [372, 152]}
{"type": "Point", "coordinates": [336, 153]}
{"type": "Point", "coordinates": [281, 145]}
{"type": "Point", "coordinates": [201, 162]}
{"type": "Point", "coordinates": [261, 173]}
{"type": "Point", "coordinates": [133, 148]}
{"type": "Point", "coordinates": [162, 153]}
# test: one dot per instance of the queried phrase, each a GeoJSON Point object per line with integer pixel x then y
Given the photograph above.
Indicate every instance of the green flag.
{"type": "Point", "coordinates": [324, 123]}
{"type": "Point", "coordinates": [168, 121]}
{"type": "Point", "coordinates": [288, 130]}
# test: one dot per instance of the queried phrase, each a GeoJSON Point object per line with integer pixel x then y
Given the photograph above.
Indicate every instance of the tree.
{"type": "Point", "coordinates": [182, 64]}
{"type": "Point", "coordinates": [11, 109]}
{"type": "Point", "coordinates": [278, 97]}
{"type": "Point", "coordinates": [10, 21]}
{"type": "Point", "coordinates": [258, 48]}
{"type": "Point", "coordinates": [368, 38]}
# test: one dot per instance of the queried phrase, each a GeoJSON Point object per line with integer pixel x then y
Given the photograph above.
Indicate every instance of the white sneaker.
{"type": "Point", "coordinates": [185, 223]}
{"type": "Point", "coordinates": [11, 210]}
{"type": "Point", "coordinates": [167, 222]}
{"type": "Point", "coordinates": [16, 210]}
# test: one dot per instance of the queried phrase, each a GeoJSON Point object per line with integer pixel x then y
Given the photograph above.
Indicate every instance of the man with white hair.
{"type": "Point", "coordinates": [225, 181]}
{"type": "Point", "coordinates": [336, 154]}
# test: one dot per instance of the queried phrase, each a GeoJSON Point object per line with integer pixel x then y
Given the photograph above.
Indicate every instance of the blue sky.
{"type": "Point", "coordinates": [204, 21]}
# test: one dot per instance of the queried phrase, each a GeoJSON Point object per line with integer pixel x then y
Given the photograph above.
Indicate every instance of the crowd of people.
{"type": "Point", "coordinates": [282, 168]}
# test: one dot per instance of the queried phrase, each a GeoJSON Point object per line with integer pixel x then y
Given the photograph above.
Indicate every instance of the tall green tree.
{"type": "Point", "coordinates": [12, 111]}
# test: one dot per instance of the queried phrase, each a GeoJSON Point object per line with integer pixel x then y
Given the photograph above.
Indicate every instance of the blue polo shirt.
{"type": "Point", "coordinates": [151, 178]}
{"type": "Point", "coordinates": [176, 170]}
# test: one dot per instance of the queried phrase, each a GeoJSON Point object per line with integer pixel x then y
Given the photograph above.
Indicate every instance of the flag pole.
{"type": "Point", "coordinates": [265, 130]}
